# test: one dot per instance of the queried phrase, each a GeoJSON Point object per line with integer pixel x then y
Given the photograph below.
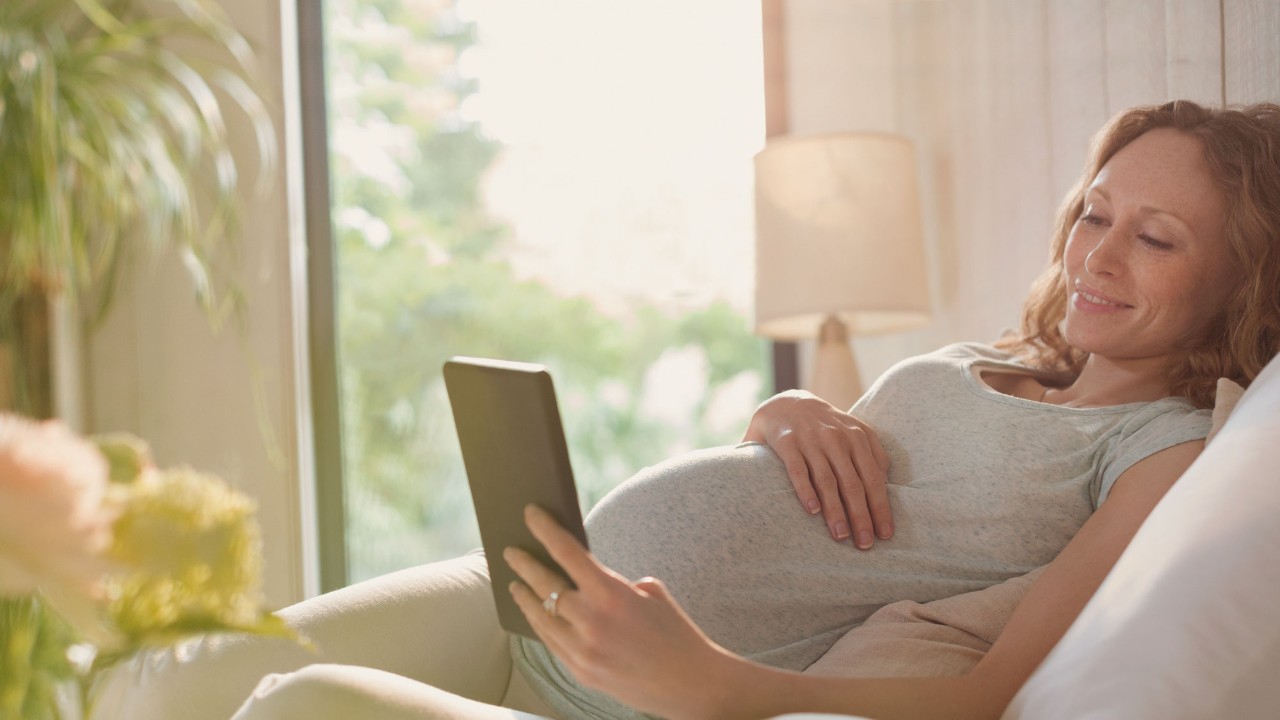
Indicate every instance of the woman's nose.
{"type": "Point", "coordinates": [1103, 258]}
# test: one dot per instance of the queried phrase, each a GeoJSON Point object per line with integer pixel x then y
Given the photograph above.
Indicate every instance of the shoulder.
{"type": "Point", "coordinates": [968, 350]}
{"type": "Point", "coordinates": [1171, 414]}
{"type": "Point", "coordinates": [962, 352]}
{"type": "Point", "coordinates": [941, 365]}
{"type": "Point", "coordinates": [1155, 427]}
{"type": "Point", "coordinates": [933, 366]}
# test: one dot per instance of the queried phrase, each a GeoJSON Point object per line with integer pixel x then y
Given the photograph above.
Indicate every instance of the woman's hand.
{"type": "Point", "coordinates": [630, 640]}
{"type": "Point", "coordinates": [834, 460]}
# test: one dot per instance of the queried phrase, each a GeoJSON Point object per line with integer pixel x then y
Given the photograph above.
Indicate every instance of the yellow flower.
{"type": "Point", "coordinates": [194, 559]}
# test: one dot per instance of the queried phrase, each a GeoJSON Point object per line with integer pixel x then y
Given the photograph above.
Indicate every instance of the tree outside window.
{"type": "Point", "coordinates": [565, 183]}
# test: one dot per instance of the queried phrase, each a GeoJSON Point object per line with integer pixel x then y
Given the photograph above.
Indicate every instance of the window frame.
{"type": "Point", "coordinates": [322, 327]}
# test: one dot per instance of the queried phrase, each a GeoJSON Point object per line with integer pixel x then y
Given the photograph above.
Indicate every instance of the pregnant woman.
{"type": "Point", "coordinates": [1163, 279]}
{"type": "Point", "coordinates": [957, 471]}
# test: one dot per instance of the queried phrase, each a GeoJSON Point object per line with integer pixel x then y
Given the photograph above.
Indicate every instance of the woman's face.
{"type": "Point", "coordinates": [1147, 263]}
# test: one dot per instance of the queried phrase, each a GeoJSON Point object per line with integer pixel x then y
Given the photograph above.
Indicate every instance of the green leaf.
{"type": "Point", "coordinates": [127, 456]}
{"type": "Point", "coordinates": [33, 658]}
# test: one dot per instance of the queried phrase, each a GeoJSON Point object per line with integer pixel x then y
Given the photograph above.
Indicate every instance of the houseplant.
{"type": "Point", "coordinates": [114, 139]}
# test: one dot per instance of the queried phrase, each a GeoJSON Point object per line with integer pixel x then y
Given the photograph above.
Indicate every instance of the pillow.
{"type": "Point", "coordinates": [1185, 624]}
{"type": "Point", "coordinates": [948, 636]}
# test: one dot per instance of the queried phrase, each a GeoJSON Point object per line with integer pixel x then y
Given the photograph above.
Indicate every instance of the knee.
{"type": "Point", "coordinates": [315, 691]}
{"type": "Point", "coordinates": [351, 691]}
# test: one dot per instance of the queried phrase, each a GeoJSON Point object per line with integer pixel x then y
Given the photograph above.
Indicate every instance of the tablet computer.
{"type": "Point", "coordinates": [514, 451]}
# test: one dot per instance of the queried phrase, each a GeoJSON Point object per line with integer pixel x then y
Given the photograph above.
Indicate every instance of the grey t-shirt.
{"type": "Point", "coordinates": [984, 487]}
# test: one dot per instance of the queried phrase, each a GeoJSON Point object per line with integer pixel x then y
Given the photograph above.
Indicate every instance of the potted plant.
{"type": "Point", "coordinates": [113, 139]}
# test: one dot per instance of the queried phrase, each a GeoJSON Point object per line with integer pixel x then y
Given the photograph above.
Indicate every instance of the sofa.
{"type": "Point", "coordinates": [1185, 625]}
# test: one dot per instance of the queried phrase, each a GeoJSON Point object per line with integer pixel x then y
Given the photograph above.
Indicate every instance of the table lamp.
{"type": "Point", "coordinates": [839, 248]}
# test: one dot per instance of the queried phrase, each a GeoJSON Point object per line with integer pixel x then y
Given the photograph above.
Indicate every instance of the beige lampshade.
{"type": "Point", "coordinates": [838, 233]}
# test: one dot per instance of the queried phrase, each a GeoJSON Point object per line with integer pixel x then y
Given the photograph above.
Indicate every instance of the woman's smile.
{"type": "Point", "coordinates": [1087, 299]}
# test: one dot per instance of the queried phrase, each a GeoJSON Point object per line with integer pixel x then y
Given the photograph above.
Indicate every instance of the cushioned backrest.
{"type": "Point", "coordinates": [1185, 625]}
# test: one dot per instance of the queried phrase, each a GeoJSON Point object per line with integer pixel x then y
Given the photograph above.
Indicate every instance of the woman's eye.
{"type": "Point", "coordinates": [1155, 243]}
{"type": "Point", "coordinates": [1093, 220]}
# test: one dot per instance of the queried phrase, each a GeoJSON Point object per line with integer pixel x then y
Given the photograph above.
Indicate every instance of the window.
{"type": "Point", "coordinates": [559, 182]}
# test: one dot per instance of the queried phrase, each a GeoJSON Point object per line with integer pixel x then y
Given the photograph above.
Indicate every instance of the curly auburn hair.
{"type": "Point", "coordinates": [1242, 149]}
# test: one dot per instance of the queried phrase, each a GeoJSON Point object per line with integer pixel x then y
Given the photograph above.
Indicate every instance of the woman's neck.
{"type": "Point", "coordinates": [1104, 382]}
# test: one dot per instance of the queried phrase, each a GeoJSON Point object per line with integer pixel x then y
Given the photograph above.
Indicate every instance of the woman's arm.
{"type": "Point", "coordinates": [633, 641]}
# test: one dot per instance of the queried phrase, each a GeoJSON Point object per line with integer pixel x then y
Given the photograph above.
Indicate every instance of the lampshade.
{"type": "Point", "coordinates": [838, 233]}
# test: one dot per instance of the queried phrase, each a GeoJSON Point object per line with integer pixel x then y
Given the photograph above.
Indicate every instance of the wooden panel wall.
{"type": "Point", "coordinates": [1002, 98]}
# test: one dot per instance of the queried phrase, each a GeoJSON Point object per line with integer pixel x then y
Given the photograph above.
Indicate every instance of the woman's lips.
{"type": "Point", "coordinates": [1090, 300]}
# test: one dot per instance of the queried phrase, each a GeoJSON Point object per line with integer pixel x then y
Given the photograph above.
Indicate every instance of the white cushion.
{"type": "Point", "coordinates": [1185, 625]}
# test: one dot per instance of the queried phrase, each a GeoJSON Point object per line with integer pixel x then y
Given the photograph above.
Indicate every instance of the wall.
{"type": "Point", "coordinates": [1001, 98]}
{"type": "Point", "coordinates": [226, 403]}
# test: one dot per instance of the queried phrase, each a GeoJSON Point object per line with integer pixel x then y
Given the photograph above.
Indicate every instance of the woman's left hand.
{"type": "Point", "coordinates": [628, 639]}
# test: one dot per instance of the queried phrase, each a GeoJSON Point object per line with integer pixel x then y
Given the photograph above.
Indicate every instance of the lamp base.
{"type": "Point", "coordinates": [835, 372]}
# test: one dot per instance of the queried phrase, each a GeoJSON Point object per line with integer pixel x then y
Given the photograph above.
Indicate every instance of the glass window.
{"type": "Point", "coordinates": [566, 182]}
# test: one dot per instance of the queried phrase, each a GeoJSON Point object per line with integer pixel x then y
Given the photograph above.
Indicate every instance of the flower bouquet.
{"type": "Point", "coordinates": [103, 555]}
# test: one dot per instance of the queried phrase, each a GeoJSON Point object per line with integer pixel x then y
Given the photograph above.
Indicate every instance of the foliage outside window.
{"type": "Point", "coordinates": [426, 270]}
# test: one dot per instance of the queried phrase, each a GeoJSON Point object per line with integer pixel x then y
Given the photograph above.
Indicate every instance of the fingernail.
{"type": "Point", "coordinates": [886, 530]}
{"type": "Point", "coordinates": [864, 539]}
{"type": "Point", "coordinates": [814, 507]}
{"type": "Point", "coordinates": [841, 530]}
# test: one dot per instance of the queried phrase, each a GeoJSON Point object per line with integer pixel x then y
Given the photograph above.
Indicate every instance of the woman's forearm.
{"type": "Point", "coordinates": [751, 690]}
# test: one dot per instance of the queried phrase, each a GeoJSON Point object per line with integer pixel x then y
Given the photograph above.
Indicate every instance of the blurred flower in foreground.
{"type": "Point", "coordinates": [103, 555]}
{"type": "Point", "coordinates": [194, 560]}
{"type": "Point", "coordinates": [55, 516]}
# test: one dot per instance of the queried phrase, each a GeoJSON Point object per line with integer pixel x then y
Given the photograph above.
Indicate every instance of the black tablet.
{"type": "Point", "coordinates": [514, 451]}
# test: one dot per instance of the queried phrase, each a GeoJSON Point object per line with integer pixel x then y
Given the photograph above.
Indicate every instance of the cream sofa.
{"type": "Point", "coordinates": [1185, 626]}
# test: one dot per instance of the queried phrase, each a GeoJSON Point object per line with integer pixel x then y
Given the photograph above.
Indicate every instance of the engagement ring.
{"type": "Point", "coordinates": [550, 604]}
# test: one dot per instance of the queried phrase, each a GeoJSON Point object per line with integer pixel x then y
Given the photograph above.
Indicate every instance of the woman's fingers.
{"type": "Point", "coordinates": [539, 578]}
{"type": "Point", "coordinates": [554, 632]}
{"type": "Point", "coordinates": [828, 486]}
{"type": "Point", "coordinates": [827, 481]}
{"type": "Point", "coordinates": [541, 581]}
{"type": "Point", "coordinates": [815, 485]}
{"type": "Point", "coordinates": [852, 485]}
{"type": "Point", "coordinates": [582, 568]}
{"type": "Point", "coordinates": [875, 482]}
{"type": "Point", "coordinates": [853, 494]}
{"type": "Point", "coordinates": [798, 474]}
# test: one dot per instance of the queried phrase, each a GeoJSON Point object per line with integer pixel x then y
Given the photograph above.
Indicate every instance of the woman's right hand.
{"type": "Point", "coordinates": [834, 460]}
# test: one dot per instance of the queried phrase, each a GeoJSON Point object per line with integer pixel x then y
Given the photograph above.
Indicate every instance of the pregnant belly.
{"type": "Point", "coordinates": [723, 529]}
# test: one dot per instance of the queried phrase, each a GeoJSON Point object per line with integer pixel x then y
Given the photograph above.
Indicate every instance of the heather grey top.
{"type": "Point", "coordinates": [984, 487]}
